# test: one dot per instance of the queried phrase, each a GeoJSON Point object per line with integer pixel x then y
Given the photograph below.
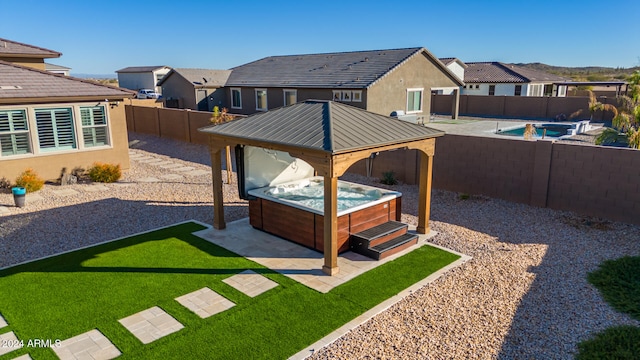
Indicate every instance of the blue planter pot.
{"type": "Point", "coordinates": [19, 196]}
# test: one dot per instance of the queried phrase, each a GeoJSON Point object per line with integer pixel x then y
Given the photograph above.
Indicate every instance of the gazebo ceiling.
{"type": "Point", "coordinates": [324, 126]}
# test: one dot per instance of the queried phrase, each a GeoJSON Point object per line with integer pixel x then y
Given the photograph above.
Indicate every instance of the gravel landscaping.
{"type": "Point", "coordinates": [523, 295]}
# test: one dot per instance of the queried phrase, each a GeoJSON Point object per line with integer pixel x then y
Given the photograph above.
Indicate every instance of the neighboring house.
{"type": "Point", "coordinates": [496, 78]}
{"type": "Point", "coordinates": [49, 122]}
{"type": "Point", "coordinates": [57, 69]}
{"type": "Point", "coordinates": [142, 77]}
{"type": "Point", "coordinates": [381, 81]}
{"type": "Point", "coordinates": [457, 67]}
{"type": "Point", "coordinates": [26, 55]}
{"type": "Point", "coordinates": [196, 89]}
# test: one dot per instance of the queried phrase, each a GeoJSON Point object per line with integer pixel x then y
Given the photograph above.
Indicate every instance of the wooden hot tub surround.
{"type": "Point", "coordinates": [307, 228]}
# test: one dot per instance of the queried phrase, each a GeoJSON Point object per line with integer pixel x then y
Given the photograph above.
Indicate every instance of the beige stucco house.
{"type": "Point", "coordinates": [50, 121]}
{"type": "Point", "coordinates": [195, 89]}
{"type": "Point", "coordinates": [380, 81]}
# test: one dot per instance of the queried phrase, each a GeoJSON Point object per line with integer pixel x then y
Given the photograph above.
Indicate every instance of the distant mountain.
{"type": "Point", "coordinates": [587, 73]}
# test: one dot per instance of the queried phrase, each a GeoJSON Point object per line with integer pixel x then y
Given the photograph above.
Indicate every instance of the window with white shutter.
{"type": "Point", "coordinates": [55, 129]}
{"type": "Point", "coordinates": [14, 133]}
{"type": "Point", "coordinates": [94, 126]}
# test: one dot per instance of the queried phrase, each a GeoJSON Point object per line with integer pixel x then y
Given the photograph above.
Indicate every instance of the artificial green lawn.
{"type": "Point", "coordinates": [619, 283]}
{"type": "Point", "coordinates": [63, 296]}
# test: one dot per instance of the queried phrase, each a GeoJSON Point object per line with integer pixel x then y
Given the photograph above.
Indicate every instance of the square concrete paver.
{"type": "Point", "coordinates": [205, 302]}
{"type": "Point", "coordinates": [250, 283]}
{"type": "Point", "coordinates": [23, 357]}
{"type": "Point", "coordinates": [33, 198]}
{"type": "Point", "coordinates": [149, 180]}
{"type": "Point", "coordinates": [170, 165]}
{"type": "Point", "coordinates": [151, 324]}
{"type": "Point", "coordinates": [64, 192]}
{"type": "Point", "coordinates": [197, 172]}
{"type": "Point", "coordinates": [3, 322]}
{"type": "Point", "coordinates": [95, 188]}
{"type": "Point", "coordinates": [5, 211]}
{"type": "Point", "coordinates": [89, 345]}
{"type": "Point", "coordinates": [183, 169]}
{"type": "Point", "coordinates": [171, 177]}
{"type": "Point", "coordinates": [9, 342]}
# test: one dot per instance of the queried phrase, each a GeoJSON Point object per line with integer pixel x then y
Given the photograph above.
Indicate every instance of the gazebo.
{"type": "Point", "coordinates": [331, 137]}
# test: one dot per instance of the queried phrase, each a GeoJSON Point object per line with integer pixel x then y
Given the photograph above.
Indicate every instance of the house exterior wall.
{"type": "Point", "coordinates": [390, 92]}
{"type": "Point", "coordinates": [457, 69]}
{"type": "Point", "coordinates": [142, 80]}
{"type": "Point", "coordinates": [177, 87]}
{"type": "Point", "coordinates": [35, 63]}
{"type": "Point", "coordinates": [275, 97]}
{"type": "Point", "coordinates": [49, 165]}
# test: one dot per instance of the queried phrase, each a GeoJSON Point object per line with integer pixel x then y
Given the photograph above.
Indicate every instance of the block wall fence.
{"type": "Point", "coordinates": [589, 180]}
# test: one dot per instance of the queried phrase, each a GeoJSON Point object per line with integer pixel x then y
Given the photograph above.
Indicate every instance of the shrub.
{"type": "Point", "coordinates": [389, 178]}
{"type": "Point", "coordinates": [5, 184]}
{"type": "Point", "coordinates": [106, 173]}
{"type": "Point", "coordinates": [30, 181]}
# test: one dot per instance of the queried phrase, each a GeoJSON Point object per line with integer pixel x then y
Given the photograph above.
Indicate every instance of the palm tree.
{"type": "Point", "coordinates": [626, 119]}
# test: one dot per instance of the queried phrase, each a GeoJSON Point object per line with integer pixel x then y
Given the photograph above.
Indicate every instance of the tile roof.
{"type": "Point", "coordinates": [357, 69]}
{"type": "Point", "coordinates": [10, 48]}
{"type": "Point", "coordinates": [135, 69]}
{"type": "Point", "coordinates": [497, 72]}
{"type": "Point", "coordinates": [200, 77]}
{"type": "Point", "coordinates": [20, 82]}
{"type": "Point", "coordinates": [323, 125]}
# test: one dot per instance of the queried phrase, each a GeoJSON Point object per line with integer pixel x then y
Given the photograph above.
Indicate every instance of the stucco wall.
{"type": "Point", "coordinates": [49, 165]}
{"type": "Point", "coordinates": [390, 92]}
{"type": "Point", "coordinates": [275, 98]}
{"type": "Point", "coordinates": [29, 62]}
{"type": "Point", "coordinates": [136, 81]}
{"type": "Point", "coordinates": [176, 87]}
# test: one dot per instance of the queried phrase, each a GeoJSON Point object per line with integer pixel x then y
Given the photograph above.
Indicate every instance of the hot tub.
{"type": "Point", "coordinates": [295, 210]}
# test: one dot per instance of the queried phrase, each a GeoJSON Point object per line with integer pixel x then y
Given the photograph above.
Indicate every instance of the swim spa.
{"type": "Point", "coordinates": [295, 210]}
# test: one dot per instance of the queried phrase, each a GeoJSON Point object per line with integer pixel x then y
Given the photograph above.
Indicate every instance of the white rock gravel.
{"type": "Point", "coordinates": [523, 295]}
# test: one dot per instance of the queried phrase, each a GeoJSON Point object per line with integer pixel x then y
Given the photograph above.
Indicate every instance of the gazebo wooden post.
{"type": "Point", "coordinates": [216, 175]}
{"type": "Point", "coordinates": [330, 266]}
{"type": "Point", "coordinates": [424, 196]}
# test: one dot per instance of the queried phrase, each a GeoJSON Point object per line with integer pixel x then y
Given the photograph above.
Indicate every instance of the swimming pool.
{"type": "Point", "coordinates": [546, 130]}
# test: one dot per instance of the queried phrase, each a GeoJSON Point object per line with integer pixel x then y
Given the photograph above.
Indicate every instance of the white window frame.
{"type": "Point", "coordinates": [55, 124]}
{"type": "Point", "coordinates": [266, 100]}
{"type": "Point", "coordinates": [356, 96]}
{"type": "Point", "coordinates": [93, 126]}
{"type": "Point", "coordinates": [239, 98]}
{"type": "Point", "coordinates": [412, 90]}
{"type": "Point", "coordinates": [489, 90]}
{"type": "Point", "coordinates": [535, 90]}
{"type": "Point", "coordinates": [12, 133]}
{"type": "Point", "coordinates": [337, 95]}
{"type": "Point", "coordinates": [284, 95]}
{"type": "Point", "coordinates": [79, 145]}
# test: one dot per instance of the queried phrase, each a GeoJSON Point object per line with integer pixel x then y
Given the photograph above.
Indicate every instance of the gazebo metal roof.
{"type": "Point", "coordinates": [326, 126]}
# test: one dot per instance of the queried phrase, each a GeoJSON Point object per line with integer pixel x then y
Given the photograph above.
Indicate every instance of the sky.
{"type": "Point", "coordinates": [100, 37]}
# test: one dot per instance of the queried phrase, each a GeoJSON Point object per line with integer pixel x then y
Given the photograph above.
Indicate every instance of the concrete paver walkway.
{"type": "Point", "coordinates": [90, 345]}
{"type": "Point", "coordinates": [9, 343]}
{"type": "Point", "coordinates": [151, 324]}
{"type": "Point", "coordinates": [205, 302]}
{"type": "Point", "coordinates": [250, 283]}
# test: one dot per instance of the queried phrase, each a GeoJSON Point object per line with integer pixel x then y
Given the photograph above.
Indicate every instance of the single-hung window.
{"type": "Point", "coordinates": [14, 133]}
{"type": "Point", "coordinates": [236, 98]}
{"type": "Point", "coordinates": [290, 97]}
{"type": "Point", "coordinates": [55, 129]}
{"type": "Point", "coordinates": [492, 90]}
{"type": "Point", "coordinates": [261, 99]}
{"type": "Point", "coordinates": [94, 126]}
{"type": "Point", "coordinates": [518, 90]}
{"type": "Point", "coordinates": [414, 100]}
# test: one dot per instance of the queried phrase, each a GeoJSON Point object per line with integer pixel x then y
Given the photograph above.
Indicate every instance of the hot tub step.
{"type": "Point", "coordinates": [394, 245]}
{"type": "Point", "coordinates": [378, 234]}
